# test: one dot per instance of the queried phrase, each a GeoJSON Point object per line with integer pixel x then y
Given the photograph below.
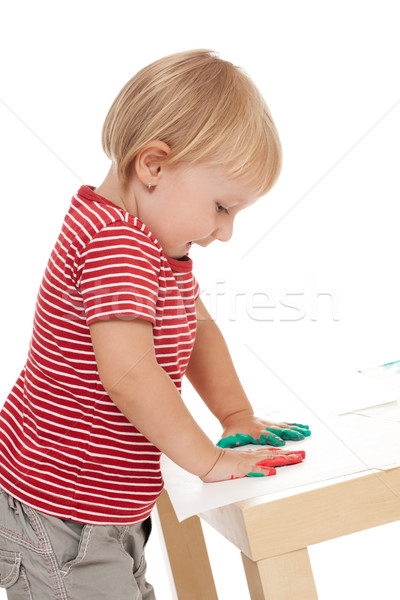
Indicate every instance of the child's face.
{"type": "Point", "coordinates": [195, 204]}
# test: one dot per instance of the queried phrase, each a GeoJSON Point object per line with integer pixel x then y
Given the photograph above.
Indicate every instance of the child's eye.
{"type": "Point", "coordinates": [222, 209]}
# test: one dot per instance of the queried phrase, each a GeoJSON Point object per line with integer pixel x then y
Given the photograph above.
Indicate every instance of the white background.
{"type": "Point", "coordinates": [320, 287]}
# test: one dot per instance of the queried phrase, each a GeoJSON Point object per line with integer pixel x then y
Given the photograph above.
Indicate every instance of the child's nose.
{"type": "Point", "coordinates": [224, 232]}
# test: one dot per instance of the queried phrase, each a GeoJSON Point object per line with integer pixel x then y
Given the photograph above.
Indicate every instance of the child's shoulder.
{"type": "Point", "coordinates": [97, 219]}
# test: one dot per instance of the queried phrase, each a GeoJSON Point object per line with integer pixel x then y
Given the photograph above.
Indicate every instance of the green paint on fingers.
{"type": "Point", "coordinates": [272, 440]}
{"type": "Point", "coordinates": [286, 434]}
{"type": "Point", "coordinates": [299, 425]}
{"type": "Point", "coordinates": [304, 432]}
{"type": "Point", "coordinates": [240, 439]}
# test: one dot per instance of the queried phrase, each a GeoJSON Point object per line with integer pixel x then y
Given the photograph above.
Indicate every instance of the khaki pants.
{"type": "Point", "coordinates": [46, 558]}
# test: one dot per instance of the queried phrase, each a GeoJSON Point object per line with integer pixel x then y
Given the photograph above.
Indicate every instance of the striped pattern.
{"type": "Point", "coordinates": [65, 448]}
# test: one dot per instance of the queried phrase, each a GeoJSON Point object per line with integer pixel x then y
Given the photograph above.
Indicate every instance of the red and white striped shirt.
{"type": "Point", "coordinates": [65, 448]}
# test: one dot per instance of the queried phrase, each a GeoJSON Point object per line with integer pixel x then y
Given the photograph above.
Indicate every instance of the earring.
{"type": "Point", "coordinates": [149, 185]}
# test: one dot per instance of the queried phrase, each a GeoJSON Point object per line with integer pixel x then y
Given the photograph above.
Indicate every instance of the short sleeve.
{"type": "Point", "coordinates": [118, 275]}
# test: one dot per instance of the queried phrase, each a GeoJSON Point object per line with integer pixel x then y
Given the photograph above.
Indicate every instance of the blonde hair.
{"type": "Point", "coordinates": [205, 109]}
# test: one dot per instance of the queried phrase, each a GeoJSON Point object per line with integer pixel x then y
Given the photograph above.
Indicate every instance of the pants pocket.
{"type": "Point", "coordinates": [85, 534]}
{"type": "Point", "coordinates": [13, 576]}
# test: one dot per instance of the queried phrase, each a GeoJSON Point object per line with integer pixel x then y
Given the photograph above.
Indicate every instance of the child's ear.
{"type": "Point", "coordinates": [148, 162]}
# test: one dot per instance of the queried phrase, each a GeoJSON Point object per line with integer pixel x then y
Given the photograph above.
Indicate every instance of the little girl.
{"type": "Point", "coordinates": [118, 323]}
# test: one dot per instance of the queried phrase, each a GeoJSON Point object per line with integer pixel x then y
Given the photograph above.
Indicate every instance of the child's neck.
{"type": "Point", "coordinates": [120, 195]}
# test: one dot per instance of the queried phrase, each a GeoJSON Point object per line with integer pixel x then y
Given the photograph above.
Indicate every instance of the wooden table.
{"type": "Point", "coordinates": [273, 535]}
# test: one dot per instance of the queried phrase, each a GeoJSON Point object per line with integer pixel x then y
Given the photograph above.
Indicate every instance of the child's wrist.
{"type": "Point", "coordinates": [246, 413]}
{"type": "Point", "coordinates": [220, 454]}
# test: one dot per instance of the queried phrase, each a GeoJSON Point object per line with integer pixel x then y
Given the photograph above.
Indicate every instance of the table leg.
{"type": "Point", "coordinates": [187, 553]}
{"type": "Point", "coordinates": [281, 577]}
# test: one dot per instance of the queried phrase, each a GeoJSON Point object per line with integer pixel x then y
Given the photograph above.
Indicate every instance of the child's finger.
{"type": "Point", "coordinates": [241, 439]}
{"type": "Point", "coordinates": [266, 472]}
{"type": "Point", "coordinates": [304, 432]}
{"type": "Point", "coordinates": [286, 434]}
{"type": "Point", "coordinates": [270, 439]}
{"type": "Point", "coordinates": [281, 460]}
{"type": "Point", "coordinates": [304, 429]}
{"type": "Point", "coordinates": [301, 452]}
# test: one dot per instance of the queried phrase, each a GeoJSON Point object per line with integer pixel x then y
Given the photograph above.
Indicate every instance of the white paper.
{"type": "Point", "coordinates": [338, 391]}
{"type": "Point", "coordinates": [353, 391]}
{"type": "Point", "coordinates": [389, 372]}
{"type": "Point", "coordinates": [343, 445]}
{"type": "Point", "coordinates": [387, 412]}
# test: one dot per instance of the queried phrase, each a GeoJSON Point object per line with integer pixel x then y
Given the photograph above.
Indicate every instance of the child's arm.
{"type": "Point", "coordinates": [146, 395]}
{"type": "Point", "coordinates": [213, 375]}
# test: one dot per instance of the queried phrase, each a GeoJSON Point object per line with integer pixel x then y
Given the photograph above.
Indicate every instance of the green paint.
{"type": "Point", "coordinates": [240, 439]}
{"type": "Point", "coordinates": [286, 434]}
{"type": "Point", "coordinates": [391, 364]}
{"type": "Point", "coordinates": [276, 436]}
{"type": "Point", "coordinates": [303, 429]}
{"type": "Point", "coordinates": [304, 432]}
{"type": "Point", "coordinates": [255, 475]}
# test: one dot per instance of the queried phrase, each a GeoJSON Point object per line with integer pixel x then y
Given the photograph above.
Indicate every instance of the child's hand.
{"type": "Point", "coordinates": [247, 429]}
{"type": "Point", "coordinates": [246, 462]}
